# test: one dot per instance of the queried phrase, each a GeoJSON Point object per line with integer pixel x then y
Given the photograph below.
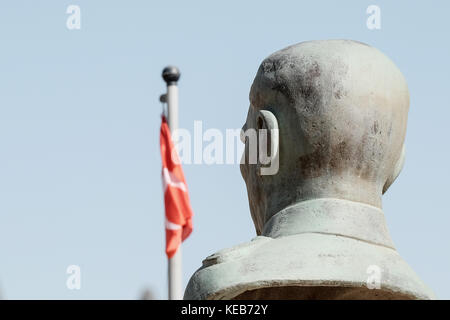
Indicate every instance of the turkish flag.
{"type": "Point", "coordinates": [176, 199]}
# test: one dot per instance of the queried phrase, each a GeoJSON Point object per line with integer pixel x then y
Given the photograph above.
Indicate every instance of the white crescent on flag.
{"type": "Point", "coordinates": [172, 226]}
{"type": "Point", "coordinates": [169, 179]}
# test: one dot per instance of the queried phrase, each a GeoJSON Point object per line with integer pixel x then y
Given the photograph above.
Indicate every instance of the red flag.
{"type": "Point", "coordinates": [176, 198]}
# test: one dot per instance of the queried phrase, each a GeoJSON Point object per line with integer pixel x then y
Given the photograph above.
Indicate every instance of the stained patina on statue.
{"type": "Point", "coordinates": [341, 108]}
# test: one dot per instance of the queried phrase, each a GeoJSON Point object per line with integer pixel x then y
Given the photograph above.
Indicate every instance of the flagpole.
{"type": "Point", "coordinates": [171, 75]}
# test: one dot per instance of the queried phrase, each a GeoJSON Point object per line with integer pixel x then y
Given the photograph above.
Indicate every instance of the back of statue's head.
{"type": "Point", "coordinates": [342, 110]}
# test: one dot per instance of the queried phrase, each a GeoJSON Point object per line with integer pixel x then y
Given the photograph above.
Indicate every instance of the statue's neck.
{"type": "Point", "coordinates": [331, 216]}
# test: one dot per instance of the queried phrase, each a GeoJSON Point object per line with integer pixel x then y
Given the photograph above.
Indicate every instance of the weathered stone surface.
{"type": "Point", "coordinates": [341, 108]}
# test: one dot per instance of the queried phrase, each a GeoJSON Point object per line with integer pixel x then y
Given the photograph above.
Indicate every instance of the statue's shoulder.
{"type": "Point", "coordinates": [205, 280]}
{"type": "Point", "coordinates": [235, 252]}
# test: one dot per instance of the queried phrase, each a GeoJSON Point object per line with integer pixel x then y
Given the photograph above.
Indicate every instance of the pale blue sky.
{"type": "Point", "coordinates": [79, 132]}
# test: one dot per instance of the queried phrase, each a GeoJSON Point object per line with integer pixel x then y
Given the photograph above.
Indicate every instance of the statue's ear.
{"type": "Point", "coordinates": [397, 169]}
{"type": "Point", "coordinates": [268, 143]}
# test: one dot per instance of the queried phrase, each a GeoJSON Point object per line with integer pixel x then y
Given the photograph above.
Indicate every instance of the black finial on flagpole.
{"type": "Point", "coordinates": [171, 74]}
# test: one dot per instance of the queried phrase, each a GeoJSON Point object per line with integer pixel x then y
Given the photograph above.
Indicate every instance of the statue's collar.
{"type": "Point", "coordinates": [331, 216]}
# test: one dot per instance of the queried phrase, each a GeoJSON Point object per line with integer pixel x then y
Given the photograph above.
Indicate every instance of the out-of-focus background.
{"type": "Point", "coordinates": [79, 132]}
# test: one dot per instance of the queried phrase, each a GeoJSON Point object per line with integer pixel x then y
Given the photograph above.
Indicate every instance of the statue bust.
{"type": "Point", "coordinates": [337, 113]}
